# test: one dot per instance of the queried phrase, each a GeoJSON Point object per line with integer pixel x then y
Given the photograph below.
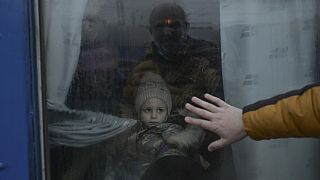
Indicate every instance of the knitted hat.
{"type": "Point", "coordinates": [152, 86]}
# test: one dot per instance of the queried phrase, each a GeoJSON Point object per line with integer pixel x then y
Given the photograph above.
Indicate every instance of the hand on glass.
{"type": "Point", "coordinates": [219, 117]}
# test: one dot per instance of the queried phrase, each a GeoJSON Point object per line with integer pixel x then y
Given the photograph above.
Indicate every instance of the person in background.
{"type": "Point", "coordinates": [189, 66]}
{"type": "Point", "coordinates": [293, 114]}
{"type": "Point", "coordinates": [96, 86]}
{"type": "Point", "coordinates": [98, 81]}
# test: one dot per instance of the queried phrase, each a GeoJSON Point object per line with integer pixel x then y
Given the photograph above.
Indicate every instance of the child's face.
{"type": "Point", "coordinates": [153, 112]}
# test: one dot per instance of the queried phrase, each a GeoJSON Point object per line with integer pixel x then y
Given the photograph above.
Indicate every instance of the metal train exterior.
{"type": "Point", "coordinates": [19, 130]}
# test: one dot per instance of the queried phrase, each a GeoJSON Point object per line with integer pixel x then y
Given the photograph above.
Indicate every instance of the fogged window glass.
{"type": "Point", "coordinates": [119, 74]}
{"type": "Point", "coordinates": [270, 47]}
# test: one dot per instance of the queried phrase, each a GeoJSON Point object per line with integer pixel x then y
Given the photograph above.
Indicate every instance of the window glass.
{"type": "Point", "coordinates": [119, 74]}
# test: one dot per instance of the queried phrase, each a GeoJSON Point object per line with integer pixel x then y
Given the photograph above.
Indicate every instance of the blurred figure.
{"type": "Point", "coordinates": [97, 82]}
{"type": "Point", "coordinates": [96, 86]}
{"type": "Point", "coordinates": [190, 67]}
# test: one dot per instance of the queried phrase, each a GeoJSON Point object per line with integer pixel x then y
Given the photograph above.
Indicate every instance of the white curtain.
{"type": "Point", "coordinates": [269, 47]}
{"type": "Point", "coordinates": [62, 38]}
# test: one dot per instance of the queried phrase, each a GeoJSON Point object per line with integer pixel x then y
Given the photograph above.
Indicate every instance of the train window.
{"type": "Point", "coordinates": [119, 72]}
{"type": "Point", "coordinates": [118, 75]}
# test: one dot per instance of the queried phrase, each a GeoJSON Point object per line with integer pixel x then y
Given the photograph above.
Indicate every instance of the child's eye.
{"type": "Point", "coordinates": [146, 110]}
{"type": "Point", "coordinates": [160, 110]}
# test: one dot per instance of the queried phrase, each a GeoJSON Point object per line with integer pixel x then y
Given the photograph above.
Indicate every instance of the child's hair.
{"type": "Point", "coordinates": [152, 86]}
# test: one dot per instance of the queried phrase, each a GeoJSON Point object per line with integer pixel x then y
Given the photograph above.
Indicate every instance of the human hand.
{"type": "Point", "coordinates": [219, 117]}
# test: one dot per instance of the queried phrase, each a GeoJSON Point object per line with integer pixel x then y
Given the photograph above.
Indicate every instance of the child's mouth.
{"type": "Point", "coordinates": [153, 123]}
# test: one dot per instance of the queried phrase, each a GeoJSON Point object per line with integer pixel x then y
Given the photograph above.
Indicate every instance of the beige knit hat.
{"type": "Point", "coordinates": [152, 86]}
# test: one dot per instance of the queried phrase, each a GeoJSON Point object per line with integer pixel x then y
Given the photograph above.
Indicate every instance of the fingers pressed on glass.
{"type": "Point", "coordinates": [216, 100]}
{"type": "Point", "coordinates": [217, 144]}
{"type": "Point", "coordinates": [198, 111]}
{"type": "Point", "coordinates": [199, 122]}
{"type": "Point", "coordinates": [205, 105]}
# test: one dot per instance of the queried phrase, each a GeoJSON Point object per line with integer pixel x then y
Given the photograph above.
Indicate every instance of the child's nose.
{"type": "Point", "coordinates": [154, 114]}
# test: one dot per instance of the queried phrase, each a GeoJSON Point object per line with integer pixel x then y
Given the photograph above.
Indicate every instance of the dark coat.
{"type": "Point", "coordinates": [193, 73]}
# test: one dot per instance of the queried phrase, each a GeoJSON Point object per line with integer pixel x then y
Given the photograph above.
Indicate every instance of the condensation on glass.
{"type": "Point", "coordinates": [118, 74]}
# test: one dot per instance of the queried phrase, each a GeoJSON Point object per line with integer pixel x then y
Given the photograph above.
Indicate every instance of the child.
{"type": "Point", "coordinates": [152, 139]}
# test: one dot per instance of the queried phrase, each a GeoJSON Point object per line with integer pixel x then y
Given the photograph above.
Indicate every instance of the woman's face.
{"type": "Point", "coordinates": [153, 112]}
{"type": "Point", "coordinates": [169, 34]}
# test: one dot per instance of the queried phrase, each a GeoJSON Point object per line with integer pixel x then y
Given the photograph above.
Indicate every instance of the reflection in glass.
{"type": "Point", "coordinates": [122, 115]}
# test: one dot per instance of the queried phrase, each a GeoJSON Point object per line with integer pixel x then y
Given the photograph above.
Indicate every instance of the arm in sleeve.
{"type": "Point", "coordinates": [293, 114]}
